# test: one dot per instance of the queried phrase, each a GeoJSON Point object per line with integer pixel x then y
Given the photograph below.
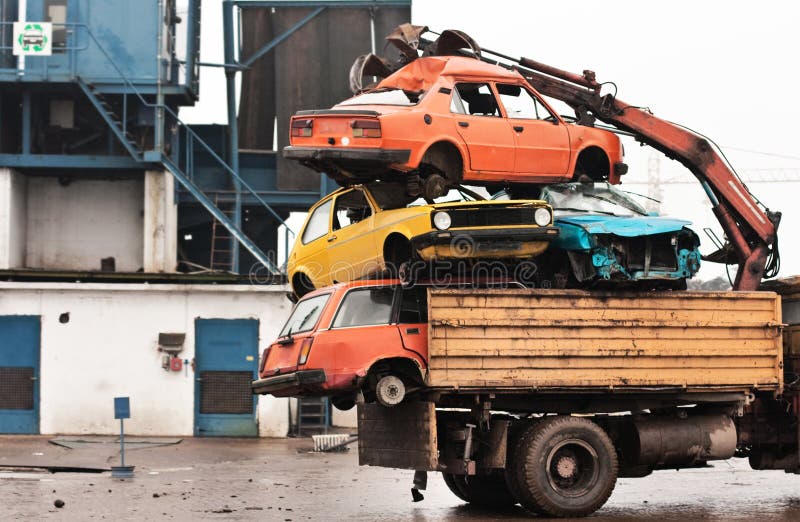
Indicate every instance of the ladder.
{"type": "Point", "coordinates": [221, 237]}
{"type": "Point", "coordinates": [313, 413]}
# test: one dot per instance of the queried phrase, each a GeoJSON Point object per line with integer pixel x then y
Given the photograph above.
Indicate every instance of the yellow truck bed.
{"type": "Point", "coordinates": [552, 340]}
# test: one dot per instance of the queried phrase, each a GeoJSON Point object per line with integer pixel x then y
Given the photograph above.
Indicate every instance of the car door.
{"type": "Point", "coordinates": [362, 331]}
{"type": "Point", "coordinates": [312, 255]}
{"type": "Point", "coordinates": [352, 253]}
{"type": "Point", "coordinates": [542, 140]}
{"type": "Point", "coordinates": [478, 121]}
{"type": "Point", "coordinates": [412, 320]}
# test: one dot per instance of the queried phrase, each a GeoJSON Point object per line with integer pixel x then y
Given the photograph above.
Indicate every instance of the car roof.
{"type": "Point", "coordinates": [353, 284]}
{"type": "Point", "coordinates": [423, 72]}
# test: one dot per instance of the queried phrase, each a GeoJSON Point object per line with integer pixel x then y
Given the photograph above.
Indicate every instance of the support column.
{"type": "Point", "coordinates": [13, 218]}
{"type": "Point", "coordinates": [160, 222]}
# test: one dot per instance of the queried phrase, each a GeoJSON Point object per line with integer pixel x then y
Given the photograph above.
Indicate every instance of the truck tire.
{"type": "Point", "coordinates": [488, 491]}
{"type": "Point", "coordinates": [564, 467]}
{"type": "Point", "coordinates": [450, 481]}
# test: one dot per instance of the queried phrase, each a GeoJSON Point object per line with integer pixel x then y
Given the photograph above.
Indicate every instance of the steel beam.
{"type": "Point", "coordinates": [26, 121]}
{"type": "Point", "coordinates": [319, 3]}
{"type": "Point", "coordinates": [277, 40]}
{"type": "Point", "coordinates": [233, 131]}
{"type": "Point", "coordinates": [72, 161]}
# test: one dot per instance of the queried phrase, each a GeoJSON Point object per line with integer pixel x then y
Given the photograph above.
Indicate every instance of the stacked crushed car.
{"type": "Point", "coordinates": [453, 172]}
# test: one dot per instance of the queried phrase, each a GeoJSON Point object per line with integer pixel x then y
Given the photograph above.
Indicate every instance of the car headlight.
{"type": "Point", "coordinates": [442, 221]}
{"type": "Point", "coordinates": [542, 217]}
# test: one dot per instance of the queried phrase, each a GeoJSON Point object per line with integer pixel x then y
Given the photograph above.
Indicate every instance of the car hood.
{"type": "Point", "coordinates": [624, 226]}
{"type": "Point", "coordinates": [489, 204]}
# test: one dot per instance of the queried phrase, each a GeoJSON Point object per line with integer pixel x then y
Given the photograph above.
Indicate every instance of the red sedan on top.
{"type": "Point", "coordinates": [443, 120]}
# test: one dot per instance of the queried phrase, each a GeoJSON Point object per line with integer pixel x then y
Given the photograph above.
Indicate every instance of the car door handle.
{"type": "Point", "coordinates": [463, 124]}
{"type": "Point", "coordinates": [519, 128]}
{"type": "Point", "coordinates": [411, 331]}
{"type": "Point", "coordinates": [332, 238]}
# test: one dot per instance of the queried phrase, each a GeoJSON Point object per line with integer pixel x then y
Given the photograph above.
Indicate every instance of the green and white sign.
{"type": "Point", "coordinates": [33, 38]}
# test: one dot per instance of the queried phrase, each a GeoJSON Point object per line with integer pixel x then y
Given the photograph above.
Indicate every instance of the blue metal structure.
{"type": "Point", "coordinates": [226, 359]}
{"type": "Point", "coordinates": [19, 373]}
{"type": "Point", "coordinates": [117, 63]}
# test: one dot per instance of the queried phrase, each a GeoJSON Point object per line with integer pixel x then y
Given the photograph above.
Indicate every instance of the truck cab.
{"type": "Point", "coordinates": [365, 338]}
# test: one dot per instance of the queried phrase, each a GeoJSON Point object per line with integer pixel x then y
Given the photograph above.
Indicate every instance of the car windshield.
{"type": "Point", "coordinates": [386, 96]}
{"type": "Point", "coordinates": [454, 195]}
{"type": "Point", "coordinates": [390, 196]}
{"type": "Point", "coordinates": [600, 198]}
{"type": "Point", "coordinates": [305, 315]}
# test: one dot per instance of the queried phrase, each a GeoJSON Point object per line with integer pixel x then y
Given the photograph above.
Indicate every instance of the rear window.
{"type": "Point", "coordinates": [305, 315]}
{"type": "Point", "coordinates": [386, 97]}
{"type": "Point", "coordinates": [365, 307]}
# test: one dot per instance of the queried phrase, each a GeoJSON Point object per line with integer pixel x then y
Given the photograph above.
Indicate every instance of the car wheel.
{"type": "Point", "coordinates": [343, 403]}
{"type": "Point", "coordinates": [390, 391]}
{"type": "Point", "coordinates": [302, 285]}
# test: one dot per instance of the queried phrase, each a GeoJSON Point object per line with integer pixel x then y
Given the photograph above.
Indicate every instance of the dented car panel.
{"type": "Point", "coordinates": [629, 247]}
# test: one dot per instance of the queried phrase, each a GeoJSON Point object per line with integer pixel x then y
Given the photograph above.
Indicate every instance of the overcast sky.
{"type": "Point", "coordinates": [727, 69]}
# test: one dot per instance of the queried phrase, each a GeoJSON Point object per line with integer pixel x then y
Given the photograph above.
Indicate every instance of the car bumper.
{"type": "Point", "coordinates": [288, 383]}
{"type": "Point", "coordinates": [347, 155]}
{"type": "Point", "coordinates": [484, 243]}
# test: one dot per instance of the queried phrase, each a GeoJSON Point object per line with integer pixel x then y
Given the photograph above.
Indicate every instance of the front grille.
{"type": "Point", "coordinates": [662, 252]}
{"type": "Point", "coordinates": [226, 392]}
{"type": "Point", "coordinates": [489, 217]}
{"type": "Point", "coordinates": [16, 388]}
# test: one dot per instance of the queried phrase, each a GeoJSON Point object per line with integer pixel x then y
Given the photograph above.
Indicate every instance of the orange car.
{"type": "Point", "coordinates": [367, 337]}
{"type": "Point", "coordinates": [443, 120]}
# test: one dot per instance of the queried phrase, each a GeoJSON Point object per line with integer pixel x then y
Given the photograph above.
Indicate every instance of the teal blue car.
{"type": "Point", "coordinates": [608, 239]}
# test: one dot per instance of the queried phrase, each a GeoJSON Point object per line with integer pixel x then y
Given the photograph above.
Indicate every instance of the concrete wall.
{"type": "Point", "coordinates": [13, 219]}
{"type": "Point", "coordinates": [160, 228]}
{"type": "Point", "coordinates": [108, 348]}
{"type": "Point", "coordinates": [73, 226]}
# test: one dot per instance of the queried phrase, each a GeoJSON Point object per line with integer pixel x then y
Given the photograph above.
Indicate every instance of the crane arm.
{"type": "Point", "coordinates": [750, 229]}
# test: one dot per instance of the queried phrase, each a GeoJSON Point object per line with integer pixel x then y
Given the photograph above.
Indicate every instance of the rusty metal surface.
{"type": "Point", "coordinates": [403, 436]}
{"type": "Point", "coordinates": [540, 339]}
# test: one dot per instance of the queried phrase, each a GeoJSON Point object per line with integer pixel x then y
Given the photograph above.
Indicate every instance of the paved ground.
{"type": "Point", "coordinates": [275, 479]}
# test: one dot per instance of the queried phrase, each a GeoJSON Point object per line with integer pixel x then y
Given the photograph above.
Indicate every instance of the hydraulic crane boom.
{"type": "Point", "coordinates": [750, 229]}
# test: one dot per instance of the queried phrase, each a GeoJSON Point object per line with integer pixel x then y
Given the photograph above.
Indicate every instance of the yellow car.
{"type": "Point", "coordinates": [358, 232]}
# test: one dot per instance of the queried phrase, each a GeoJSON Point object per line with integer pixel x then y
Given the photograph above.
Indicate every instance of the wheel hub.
{"type": "Point", "coordinates": [566, 467]}
{"type": "Point", "coordinates": [572, 467]}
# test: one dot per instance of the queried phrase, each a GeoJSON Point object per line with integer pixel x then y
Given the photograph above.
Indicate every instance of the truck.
{"type": "Point", "coordinates": [546, 397]}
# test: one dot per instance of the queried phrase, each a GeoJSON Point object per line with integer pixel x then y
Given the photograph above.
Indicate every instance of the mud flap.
{"type": "Point", "coordinates": [403, 436]}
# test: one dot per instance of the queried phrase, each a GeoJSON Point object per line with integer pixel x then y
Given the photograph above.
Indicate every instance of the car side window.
{"type": "Point", "coordinates": [351, 207]}
{"type": "Point", "coordinates": [413, 305]}
{"type": "Point", "coordinates": [521, 104]}
{"type": "Point", "coordinates": [317, 225]}
{"type": "Point", "coordinates": [474, 98]}
{"type": "Point", "coordinates": [365, 307]}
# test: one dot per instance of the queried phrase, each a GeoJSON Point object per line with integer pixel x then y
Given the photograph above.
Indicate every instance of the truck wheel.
{"type": "Point", "coordinates": [564, 467]}
{"type": "Point", "coordinates": [487, 491]}
{"type": "Point", "coordinates": [452, 485]}
{"type": "Point", "coordinates": [390, 391]}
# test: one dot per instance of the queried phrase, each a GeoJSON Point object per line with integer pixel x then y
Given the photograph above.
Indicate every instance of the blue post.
{"type": "Point", "coordinates": [233, 131]}
{"type": "Point", "coordinates": [122, 411]}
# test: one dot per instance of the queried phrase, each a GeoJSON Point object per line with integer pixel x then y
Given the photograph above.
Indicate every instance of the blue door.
{"type": "Point", "coordinates": [226, 361]}
{"type": "Point", "coordinates": [19, 374]}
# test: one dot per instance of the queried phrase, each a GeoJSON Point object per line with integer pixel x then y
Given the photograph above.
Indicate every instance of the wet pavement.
{"type": "Point", "coordinates": [278, 479]}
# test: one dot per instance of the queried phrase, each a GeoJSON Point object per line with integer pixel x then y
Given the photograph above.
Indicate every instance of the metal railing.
{"type": "Point", "coordinates": [160, 109]}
